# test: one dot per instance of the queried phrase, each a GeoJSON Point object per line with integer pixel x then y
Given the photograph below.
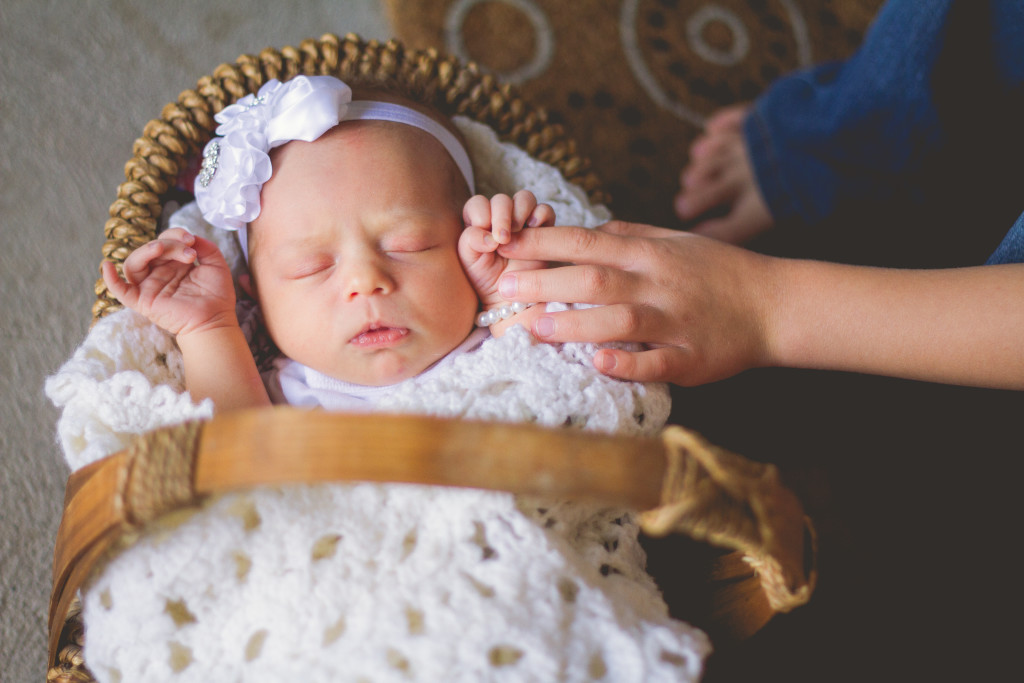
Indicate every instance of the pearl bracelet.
{"type": "Point", "coordinates": [488, 318]}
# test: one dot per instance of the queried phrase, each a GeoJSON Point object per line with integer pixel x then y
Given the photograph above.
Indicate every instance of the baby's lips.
{"type": "Point", "coordinates": [380, 337]}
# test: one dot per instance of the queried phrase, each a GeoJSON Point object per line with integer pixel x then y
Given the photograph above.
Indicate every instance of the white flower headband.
{"type": "Point", "coordinates": [236, 164]}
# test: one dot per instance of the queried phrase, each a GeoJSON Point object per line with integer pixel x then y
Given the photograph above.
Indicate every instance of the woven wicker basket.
{"type": "Point", "coordinates": [688, 485]}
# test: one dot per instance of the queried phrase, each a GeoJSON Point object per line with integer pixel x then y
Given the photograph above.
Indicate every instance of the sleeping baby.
{"type": "Point", "coordinates": [367, 252]}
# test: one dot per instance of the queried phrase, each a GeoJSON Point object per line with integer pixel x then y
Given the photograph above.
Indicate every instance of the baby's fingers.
{"type": "Point", "coordinates": [118, 287]}
{"type": "Point", "coordinates": [477, 241]}
{"type": "Point", "coordinates": [524, 202]}
{"type": "Point", "coordinates": [502, 218]}
{"type": "Point", "coordinates": [477, 212]}
{"type": "Point", "coordinates": [473, 243]}
{"type": "Point", "coordinates": [542, 216]}
{"type": "Point", "coordinates": [138, 264]}
{"type": "Point", "coordinates": [179, 235]}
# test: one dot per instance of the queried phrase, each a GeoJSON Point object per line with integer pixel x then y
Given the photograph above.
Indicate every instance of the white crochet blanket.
{"type": "Point", "coordinates": [380, 582]}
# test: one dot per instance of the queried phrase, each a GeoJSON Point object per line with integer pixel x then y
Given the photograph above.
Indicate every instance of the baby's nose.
{"type": "Point", "coordinates": [367, 277]}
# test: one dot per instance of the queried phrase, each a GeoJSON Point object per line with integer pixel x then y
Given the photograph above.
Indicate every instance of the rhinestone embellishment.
{"type": "Point", "coordinates": [210, 158]}
{"type": "Point", "coordinates": [256, 101]}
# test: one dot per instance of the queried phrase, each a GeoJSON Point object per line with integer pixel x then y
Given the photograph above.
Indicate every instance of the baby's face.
{"type": "Point", "coordinates": [354, 255]}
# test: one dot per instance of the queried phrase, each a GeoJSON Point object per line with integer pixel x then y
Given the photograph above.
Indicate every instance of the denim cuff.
{"type": "Point", "coordinates": [781, 132]}
{"type": "Point", "coordinates": [1011, 249]}
{"type": "Point", "coordinates": [843, 133]}
{"type": "Point", "coordinates": [769, 172]}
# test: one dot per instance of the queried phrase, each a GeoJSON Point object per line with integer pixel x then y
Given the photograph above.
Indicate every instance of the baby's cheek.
{"type": "Point", "coordinates": [295, 323]}
{"type": "Point", "coordinates": [464, 302]}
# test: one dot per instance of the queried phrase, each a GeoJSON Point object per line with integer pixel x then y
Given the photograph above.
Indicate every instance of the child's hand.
{"type": "Point", "coordinates": [179, 281]}
{"type": "Point", "coordinates": [720, 176]}
{"type": "Point", "coordinates": [490, 224]}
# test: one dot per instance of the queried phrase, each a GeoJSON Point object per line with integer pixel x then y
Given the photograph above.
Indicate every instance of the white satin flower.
{"type": "Point", "coordinates": [237, 164]}
{"type": "Point", "coordinates": [249, 112]}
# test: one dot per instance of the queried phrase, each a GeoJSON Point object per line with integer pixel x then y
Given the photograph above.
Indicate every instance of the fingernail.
{"type": "Point", "coordinates": [489, 240]}
{"type": "Point", "coordinates": [504, 235]}
{"type": "Point", "coordinates": [507, 286]}
{"type": "Point", "coordinates": [544, 327]}
{"type": "Point", "coordinates": [189, 253]}
{"type": "Point", "coordinates": [682, 207]}
{"type": "Point", "coordinates": [533, 222]}
{"type": "Point", "coordinates": [606, 362]}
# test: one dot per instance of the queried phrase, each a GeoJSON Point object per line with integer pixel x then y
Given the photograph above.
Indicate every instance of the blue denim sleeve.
{"type": "Point", "coordinates": [1008, 39]}
{"type": "Point", "coordinates": [1011, 249]}
{"type": "Point", "coordinates": [844, 131]}
{"type": "Point", "coordinates": [1009, 34]}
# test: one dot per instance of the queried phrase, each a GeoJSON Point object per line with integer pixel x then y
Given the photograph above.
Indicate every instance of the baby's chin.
{"type": "Point", "coordinates": [384, 364]}
{"type": "Point", "coordinates": [383, 371]}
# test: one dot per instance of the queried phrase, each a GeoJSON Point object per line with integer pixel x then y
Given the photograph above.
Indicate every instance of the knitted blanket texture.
{"type": "Point", "coordinates": [369, 582]}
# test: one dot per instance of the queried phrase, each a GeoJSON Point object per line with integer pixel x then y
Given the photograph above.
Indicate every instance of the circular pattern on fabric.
{"type": "Point", "coordinates": [512, 38]}
{"type": "Point", "coordinates": [701, 34]}
{"type": "Point", "coordinates": [633, 80]}
{"type": "Point", "coordinates": [690, 63]}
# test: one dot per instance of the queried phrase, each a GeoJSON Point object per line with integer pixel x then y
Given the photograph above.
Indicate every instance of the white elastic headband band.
{"type": "Point", "coordinates": [388, 111]}
{"type": "Point", "coordinates": [237, 164]}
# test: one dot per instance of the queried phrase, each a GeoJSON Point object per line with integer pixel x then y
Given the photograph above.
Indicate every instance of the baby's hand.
{"type": "Point", "coordinates": [179, 281]}
{"type": "Point", "coordinates": [489, 224]}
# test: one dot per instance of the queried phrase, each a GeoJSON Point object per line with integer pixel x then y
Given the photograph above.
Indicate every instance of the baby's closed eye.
{"type": "Point", "coordinates": [407, 245]}
{"type": "Point", "coordinates": [308, 267]}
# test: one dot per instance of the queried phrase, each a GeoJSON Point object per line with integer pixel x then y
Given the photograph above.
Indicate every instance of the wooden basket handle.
{"type": "Point", "coordinates": [686, 485]}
